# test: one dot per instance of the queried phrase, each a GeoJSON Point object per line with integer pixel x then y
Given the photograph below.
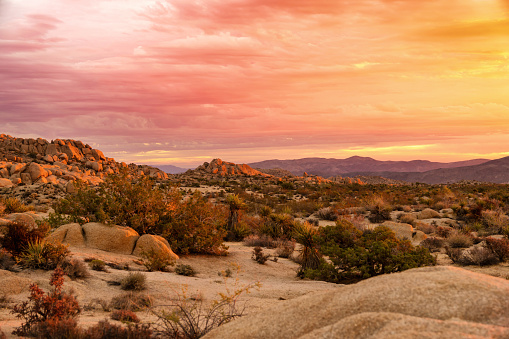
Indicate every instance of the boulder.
{"type": "Point", "coordinates": [17, 168]}
{"type": "Point", "coordinates": [5, 182]}
{"type": "Point", "coordinates": [23, 218]}
{"type": "Point", "coordinates": [428, 302]}
{"type": "Point", "coordinates": [428, 213]}
{"type": "Point", "coordinates": [149, 242]}
{"type": "Point", "coordinates": [110, 238]}
{"type": "Point", "coordinates": [402, 231]}
{"type": "Point", "coordinates": [36, 171]}
{"type": "Point", "coordinates": [70, 234]}
{"type": "Point", "coordinates": [13, 284]}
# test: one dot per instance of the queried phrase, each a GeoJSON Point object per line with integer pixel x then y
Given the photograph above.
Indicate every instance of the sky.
{"type": "Point", "coordinates": [185, 81]}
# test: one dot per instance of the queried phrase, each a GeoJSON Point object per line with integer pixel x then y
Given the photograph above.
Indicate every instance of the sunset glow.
{"type": "Point", "coordinates": [185, 81]}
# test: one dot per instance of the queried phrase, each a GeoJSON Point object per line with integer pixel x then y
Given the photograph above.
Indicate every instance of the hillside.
{"type": "Point", "coordinates": [331, 167]}
{"type": "Point", "coordinates": [495, 171]}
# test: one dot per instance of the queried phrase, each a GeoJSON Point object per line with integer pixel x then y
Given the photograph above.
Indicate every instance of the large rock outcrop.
{"type": "Point", "coordinates": [223, 168]}
{"type": "Point", "coordinates": [110, 238]}
{"type": "Point", "coordinates": [430, 302]}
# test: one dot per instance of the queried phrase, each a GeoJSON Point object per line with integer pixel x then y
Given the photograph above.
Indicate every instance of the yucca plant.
{"type": "Point", "coordinates": [309, 256]}
{"type": "Point", "coordinates": [39, 254]}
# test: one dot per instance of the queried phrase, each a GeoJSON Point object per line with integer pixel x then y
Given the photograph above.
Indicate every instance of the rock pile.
{"type": "Point", "coordinates": [221, 168]}
{"type": "Point", "coordinates": [43, 168]}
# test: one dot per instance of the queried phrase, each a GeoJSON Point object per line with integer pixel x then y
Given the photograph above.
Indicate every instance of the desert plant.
{"type": "Point", "coordinates": [235, 205]}
{"type": "Point", "coordinates": [97, 265]}
{"type": "Point", "coordinates": [499, 247]}
{"type": "Point", "coordinates": [444, 232]}
{"type": "Point", "coordinates": [43, 255]}
{"type": "Point", "coordinates": [125, 316]}
{"type": "Point", "coordinates": [134, 282]}
{"type": "Point", "coordinates": [14, 205]}
{"type": "Point", "coordinates": [327, 213]}
{"type": "Point", "coordinates": [432, 244]}
{"type": "Point", "coordinates": [131, 301]}
{"type": "Point", "coordinates": [285, 248]}
{"type": "Point", "coordinates": [459, 240]}
{"type": "Point", "coordinates": [186, 270]}
{"type": "Point", "coordinates": [47, 311]}
{"type": "Point", "coordinates": [74, 268]}
{"type": "Point", "coordinates": [106, 330]}
{"type": "Point", "coordinates": [407, 218]}
{"type": "Point", "coordinates": [379, 210]}
{"type": "Point", "coordinates": [309, 255]}
{"type": "Point", "coordinates": [260, 240]}
{"type": "Point", "coordinates": [18, 234]}
{"type": "Point", "coordinates": [259, 256]}
{"type": "Point", "coordinates": [157, 261]}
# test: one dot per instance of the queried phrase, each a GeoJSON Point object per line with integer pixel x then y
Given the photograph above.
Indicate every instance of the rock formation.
{"type": "Point", "coordinates": [430, 302]}
{"type": "Point", "coordinates": [223, 168]}
{"type": "Point", "coordinates": [38, 170]}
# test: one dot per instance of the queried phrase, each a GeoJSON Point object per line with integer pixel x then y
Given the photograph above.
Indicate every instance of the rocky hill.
{"type": "Point", "coordinates": [38, 170]}
{"type": "Point", "coordinates": [217, 167]}
{"type": "Point", "coordinates": [333, 167]}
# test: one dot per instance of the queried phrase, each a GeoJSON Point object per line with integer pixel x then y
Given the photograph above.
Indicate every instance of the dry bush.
{"type": "Point", "coordinates": [379, 209]}
{"type": "Point", "coordinates": [259, 256]}
{"type": "Point", "coordinates": [19, 234]}
{"type": "Point", "coordinates": [458, 240]}
{"type": "Point", "coordinates": [185, 270]}
{"type": "Point", "coordinates": [131, 301]}
{"type": "Point", "coordinates": [478, 255]}
{"type": "Point", "coordinates": [7, 261]}
{"type": "Point", "coordinates": [493, 221]}
{"type": "Point", "coordinates": [260, 241]}
{"type": "Point", "coordinates": [125, 315]}
{"type": "Point", "coordinates": [285, 248]}
{"type": "Point", "coordinates": [106, 330]}
{"type": "Point", "coordinates": [407, 218]}
{"type": "Point", "coordinates": [134, 282]}
{"type": "Point", "coordinates": [74, 268]}
{"type": "Point", "coordinates": [327, 213]}
{"type": "Point", "coordinates": [444, 232]}
{"type": "Point", "coordinates": [453, 253]}
{"type": "Point", "coordinates": [432, 244]}
{"type": "Point", "coordinates": [97, 265]}
{"type": "Point", "coordinates": [499, 247]}
{"type": "Point", "coordinates": [155, 261]}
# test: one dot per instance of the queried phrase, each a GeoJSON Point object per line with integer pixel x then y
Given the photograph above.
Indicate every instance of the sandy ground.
{"type": "Point", "coordinates": [278, 283]}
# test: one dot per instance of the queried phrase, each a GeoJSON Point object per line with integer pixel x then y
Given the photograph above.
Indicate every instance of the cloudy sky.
{"type": "Point", "coordinates": [185, 81]}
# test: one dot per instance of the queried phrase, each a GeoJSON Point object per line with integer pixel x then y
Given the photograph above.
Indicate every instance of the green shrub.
{"type": "Point", "coordinates": [47, 312]}
{"type": "Point", "coordinates": [43, 255]}
{"type": "Point", "coordinates": [186, 270]}
{"type": "Point", "coordinates": [356, 255]}
{"type": "Point", "coordinates": [156, 261]}
{"type": "Point", "coordinates": [134, 282]}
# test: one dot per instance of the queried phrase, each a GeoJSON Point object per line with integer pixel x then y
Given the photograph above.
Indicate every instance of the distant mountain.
{"type": "Point", "coordinates": [496, 171]}
{"type": "Point", "coordinates": [171, 169]}
{"type": "Point", "coordinates": [331, 167]}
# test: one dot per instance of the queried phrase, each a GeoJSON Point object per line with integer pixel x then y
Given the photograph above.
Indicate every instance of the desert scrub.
{"type": "Point", "coordinates": [157, 261]}
{"type": "Point", "coordinates": [7, 261]}
{"type": "Point", "coordinates": [14, 205]}
{"type": "Point", "coordinates": [432, 244]}
{"type": "Point", "coordinates": [44, 313]}
{"type": "Point", "coordinates": [106, 330]}
{"type": "Point", "coordinates": [134, 282]}
{"type": "Point", "coordinates": [356, 255]}
{"type": "Point", "coordinates": [125, 316]}
{"type": "Point", "coordinates": [74, 268]}
{"type": "Point", "coordinates": [327, 213]}
{"type": "Point", "coordinates": [43, 255]}
{"type": "Point", "coordinates": [499, 247]}
{"type": "Point", "coordinates": [379, 209]}
{"type": "Point", "coordinates": [97, 265]}
{"type": "Point", "coordinates": [186, 270]}
{"type": "Point", "coordinates": [458, 240]}
{"type": "Point", "coordinates": [309, 255]}
{"type": "Point", "coordinates": [131, 301]}
{"type": "Point", "coordinates": [259, 256]}
{"type": "Point", "coordinates": [18, 234]}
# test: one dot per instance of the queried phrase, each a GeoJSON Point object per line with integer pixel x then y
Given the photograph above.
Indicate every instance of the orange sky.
{"type": "Point", "coordinates": [184, 81]}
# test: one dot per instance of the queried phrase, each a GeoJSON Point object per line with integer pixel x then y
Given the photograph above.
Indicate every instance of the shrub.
{"type": "Point", "coordinates": [18, 235]}
{"type": "Point", "coordinates": [185, 270]}
{"type": "Point", "coordinates": [7, 261]}
{"type": "Point", "coordinates": [454, 254]}
{"type": "Point", "coordinates": [380, 210]}
{"type": "Point", "coordinates": [106, 330]}
{"type": "Point", "coordinates": [459, 240]}
{"type": "Point", "coordinates": [309, 256]}
{"type": "Point", "coordinates": [327, 213]}
{"type": "Point", "coordinates": [74, 268]}
{"type": "Point", "coordinates": [285, 248]}
{"type": "Point", "coordinates": [47, 311]}
{"type": "Point", "coordinates": [425, 227]}
{"type": "Point", "coordinates": [43, 255]}
{"type": "Point", "coordinates": [278, 226]}
{"type": "Point", "coordinates": [259, 256]}
{"type": "Point", "coordinates": [156, 261]}
{"type": "Point", "coordinates": [125, 316]}
{"type": "Point", "coordinates": [14, 205]}
{"type": "Point", "coordinates": [432, 244]}
{"type": "Point", "coordinates": [407, 218]}
{"type": "Point", "coordinates": [260, 240]}
{"type": "Point", "coordinates": [356, 255]}
{"type": "Point", "coordinates": [97, 265]}
{"type": "Point", "coordinates": [131, 301]}
{"type": "Point", "coordinates": [481, 256]}
{"type": "Point", "coordinates": [499, 247]}
{"type": "Point", "coordinates": [196, 226]}
{"type": "Point", "coordinates": [444, 232]}
{"type": "Point", "coordinates": [134, 282]}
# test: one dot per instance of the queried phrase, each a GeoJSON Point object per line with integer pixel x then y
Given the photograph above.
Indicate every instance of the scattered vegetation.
{"type": "Point", "coordinates": [136, 281]}
{"type": "Point", "coordinates": [259, 256]}
{"type": "Point", "coordinates": [186, 270]}
{"type": "Point", "coordinates": [125, 316]}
